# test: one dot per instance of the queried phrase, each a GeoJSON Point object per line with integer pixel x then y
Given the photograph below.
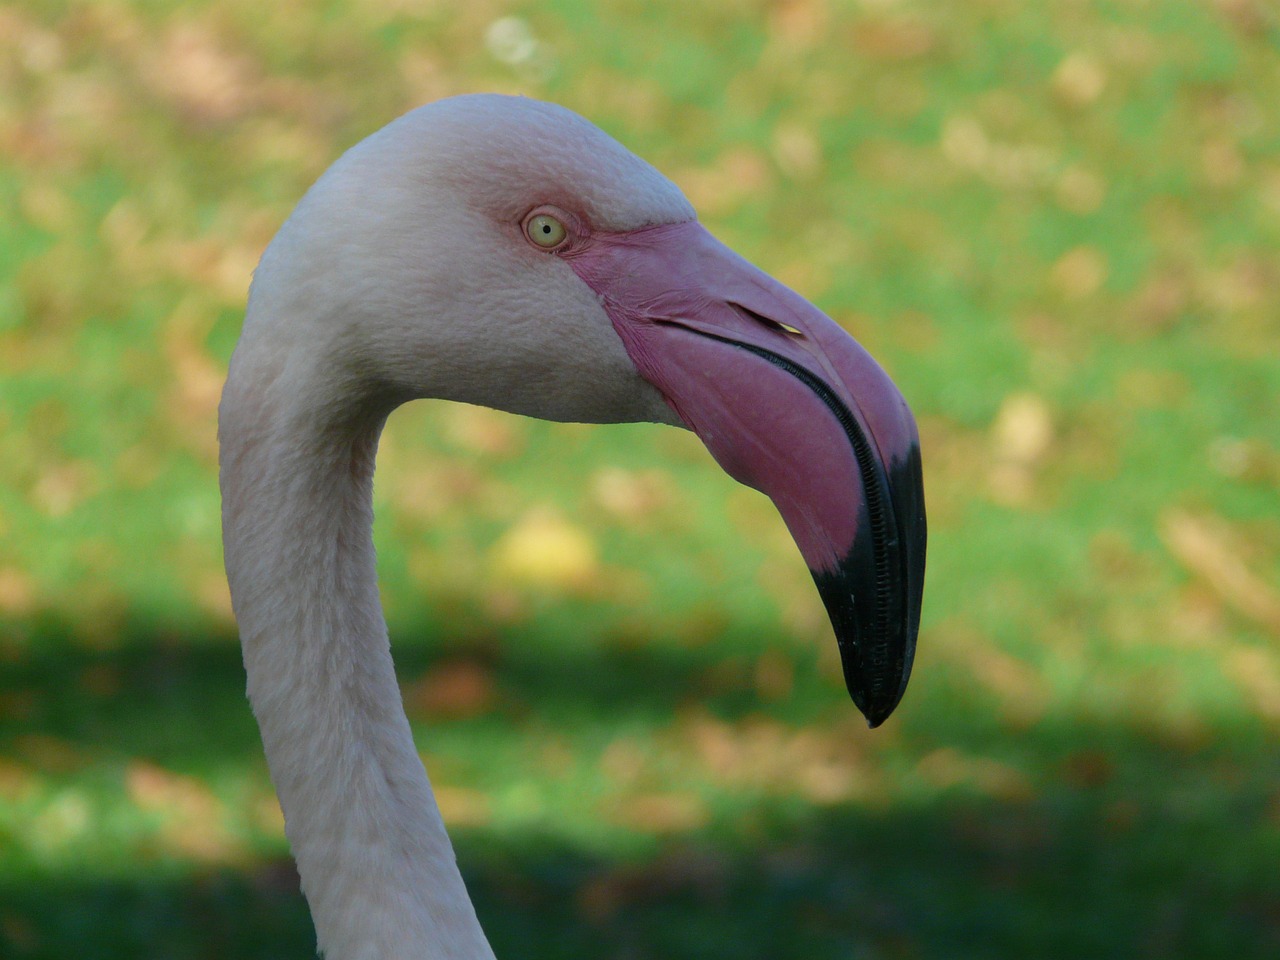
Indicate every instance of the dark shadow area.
{"type": "Point", "coordinates": [967, 881]}
{"type": "Point", "coordinates": [961, 880]}
{"type": "Point", "coordinates": [1124, 845]}
{"type": "Point", "coordinates": [163, 692]}
{"type": "Point", "coordinates": [176, 695]}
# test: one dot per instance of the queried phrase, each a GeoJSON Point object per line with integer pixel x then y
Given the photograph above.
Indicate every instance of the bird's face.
{"type": "Point", "coordinates": [515, 256]}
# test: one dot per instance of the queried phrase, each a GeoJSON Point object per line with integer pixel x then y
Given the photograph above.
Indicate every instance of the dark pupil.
{"type": "Point", "coordinates": [546, 228]}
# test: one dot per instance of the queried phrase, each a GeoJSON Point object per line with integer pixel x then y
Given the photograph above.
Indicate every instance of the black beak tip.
{"type": "Point", "coordinates": [876, 656]}
{"type": "Point", "coordinates": [875, 708]}
{"type": "Point", "coordinates": [876, 694]}
{"type": "Point", "coordinates": [873, 595]}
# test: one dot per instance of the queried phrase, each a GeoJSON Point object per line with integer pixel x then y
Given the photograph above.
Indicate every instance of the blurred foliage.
{"type": "Point", "coordinates": [1058, 225]}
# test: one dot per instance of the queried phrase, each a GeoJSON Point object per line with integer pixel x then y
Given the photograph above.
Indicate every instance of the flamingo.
{"type": "Point", "coordinates": [502, 251]}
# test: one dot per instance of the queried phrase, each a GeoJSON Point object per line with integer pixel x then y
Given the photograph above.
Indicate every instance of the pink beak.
{"type": "Point", "coordinates": [790, 404]}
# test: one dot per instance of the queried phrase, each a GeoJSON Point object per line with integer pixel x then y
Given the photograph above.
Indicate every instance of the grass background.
{"type": "Point", "coordinates": [1058, 226]}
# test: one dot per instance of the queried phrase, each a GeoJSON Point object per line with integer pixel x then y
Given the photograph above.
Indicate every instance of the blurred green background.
{"type": "Point", "coordinates": [1057, 225]}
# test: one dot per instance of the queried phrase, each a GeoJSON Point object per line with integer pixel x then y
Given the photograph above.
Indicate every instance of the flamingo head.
{"type": "Point", "coordinates": [505, 252]}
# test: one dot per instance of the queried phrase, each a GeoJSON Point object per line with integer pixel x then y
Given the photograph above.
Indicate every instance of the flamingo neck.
{"type": "Point", "coordinates": [376, 864]}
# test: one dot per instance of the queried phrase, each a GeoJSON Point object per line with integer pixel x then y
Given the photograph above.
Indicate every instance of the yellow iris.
{"type": "Point", "coordinates": [545, 230]}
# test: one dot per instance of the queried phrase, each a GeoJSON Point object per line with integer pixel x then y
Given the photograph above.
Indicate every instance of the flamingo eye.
{"type": "Point", "coordinates": [545, 231]}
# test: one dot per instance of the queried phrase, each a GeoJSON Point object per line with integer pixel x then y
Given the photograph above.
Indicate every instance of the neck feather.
{"type": "Point", "coordinates": [376, 864]}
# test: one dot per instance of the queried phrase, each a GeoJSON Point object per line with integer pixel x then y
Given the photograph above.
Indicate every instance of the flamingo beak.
{"type": "Point", "coordinates": [790, 404]}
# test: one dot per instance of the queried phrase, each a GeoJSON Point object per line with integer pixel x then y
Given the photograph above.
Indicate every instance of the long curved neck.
{"type": "Point", "coordinates": [376, 864]}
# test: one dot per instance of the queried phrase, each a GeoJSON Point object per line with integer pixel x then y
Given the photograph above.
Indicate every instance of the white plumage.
{"type": "Point", "coordinates": [406, 272]}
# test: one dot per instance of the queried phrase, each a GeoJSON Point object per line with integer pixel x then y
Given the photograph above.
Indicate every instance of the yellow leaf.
{"type": "Point", "coordinates": [544, 549]}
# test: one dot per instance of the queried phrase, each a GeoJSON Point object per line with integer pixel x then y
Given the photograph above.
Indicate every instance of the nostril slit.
{"type": "Point", "coordinates": [767, 321]}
